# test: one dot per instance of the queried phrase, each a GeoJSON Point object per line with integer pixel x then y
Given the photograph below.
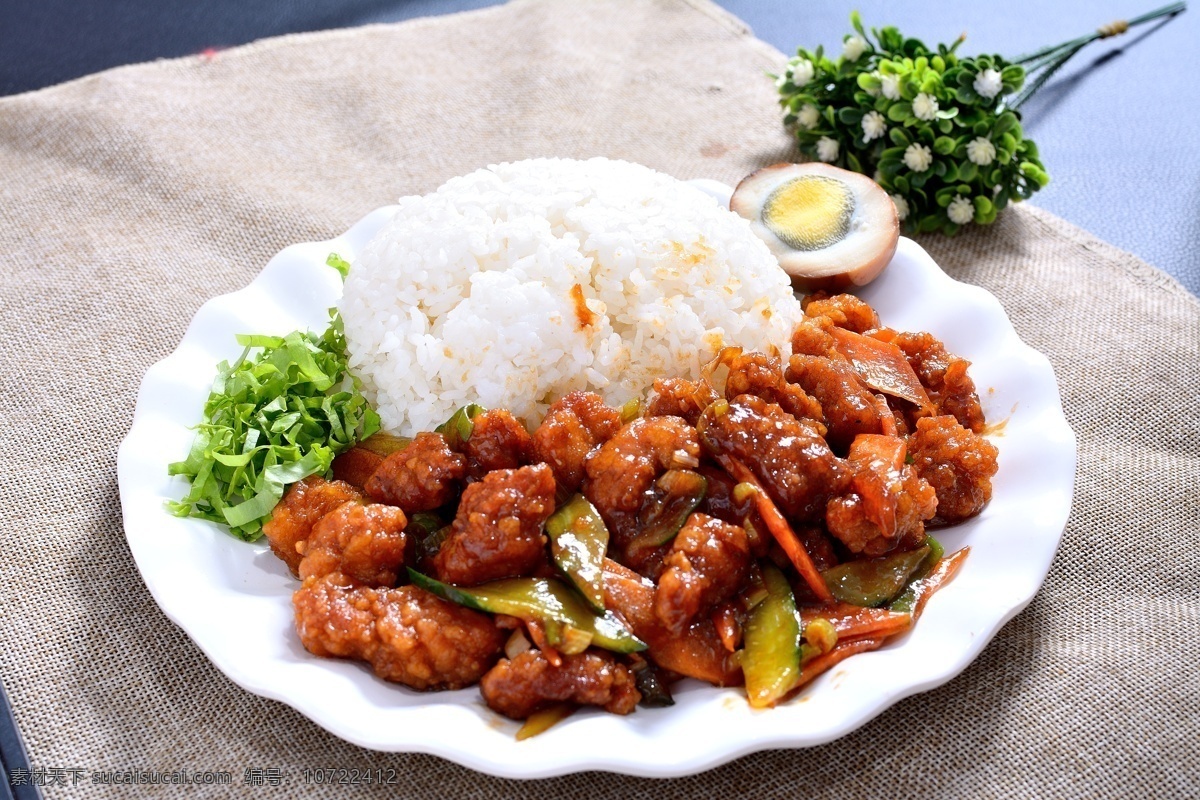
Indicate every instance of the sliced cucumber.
{"type": "Point", "coordinates": [384, 444]}
{"type": "Point", "coordinates": [678, 492]}
{"type": "Point", "coordinates": [908, 597]}
{"type": "Point", "coordinates": [876, 581]}
{"type": "Point", "coordinates": [564, 615]}
{"type": "Point", "coordinates": [773, 643]}
{"type": "Point", "coordinates": [578, 542]}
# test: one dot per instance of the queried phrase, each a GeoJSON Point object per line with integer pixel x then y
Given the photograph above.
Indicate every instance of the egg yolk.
{"type": "Point", "coordinates": [809, 213]}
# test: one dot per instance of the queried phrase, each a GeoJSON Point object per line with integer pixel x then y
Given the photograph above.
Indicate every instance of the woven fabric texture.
{"type": "Point", "coordinates": [129, 197]}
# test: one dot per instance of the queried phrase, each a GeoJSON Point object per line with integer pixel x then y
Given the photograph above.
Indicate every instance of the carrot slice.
{"type": "Point", "coordinates": [839, 653]}
{"type": "Point", "coordinates": [729, 628]}
{"type": "Point", "coordinates": [882, 366]}
{"type": "Point", "coordinates": [537, 633]}
{"type": "Point", "coordinates": [779, 528]}
{"type": "Point", "coordinates": [856, 622]}
{"type": "Point", "coordinates": [887, 418]}
{"type": "Point", "coordinates": [942, 573]}
{"type": "Point", "coordinates": [862, 619]}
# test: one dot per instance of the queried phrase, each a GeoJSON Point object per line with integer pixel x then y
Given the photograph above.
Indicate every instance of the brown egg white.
{"type": "Point", "coordinates": [830, 228]}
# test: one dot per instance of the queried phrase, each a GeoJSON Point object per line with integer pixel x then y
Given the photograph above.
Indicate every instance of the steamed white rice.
{"type": "Point", "coordinates": [466, 294]}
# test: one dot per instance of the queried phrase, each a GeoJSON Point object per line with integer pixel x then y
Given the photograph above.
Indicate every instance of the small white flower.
{"type": "Point", "coordinates": [808, 117]}
{"type": "Point", "coordinates": [988, 84]}
{"type": "Point", "coordinates": [853, 48]}
{"type": "Point", "coordinates": [878, 77]}
{"type": "Point", "coordinates": [901, 207]}
{"type": "Point", "coordinates": [917, 157]}
{"type": "Point", "coordinates": [891, 86]}
{"type": "Point", "coordinates": [874, 125]}
{"type": "Point", "coordinates": [961, 210]}
{"type": "Point", "coordinates": [801, 71]}
{"type": "Point", "coordinates": [827, 149]}
{"type": "Point", "coordinates": [925, 107]}
{"type": "Point", "coordinates": [981, 151]}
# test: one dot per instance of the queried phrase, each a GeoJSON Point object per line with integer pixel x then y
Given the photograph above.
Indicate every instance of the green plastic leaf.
{"type": "Point", "coordinates": [889, 168]}
{"type": "Point", "coordinates": [966, 94]}
{"type": "Point", "coordinates": [856, 23]}
{"type": "Point", "coordinates": [846, 91]}
{"type": "Point", "coordinates": [1004, 122]}
{"type": "Point", "coordinates": [983, 209]}
{"type": "Point", "coordinates": [868, 81]}
{"type": "Point", "coordinates": [1034, 173]}
{"type": "Point", "coordinates": [850, 116]}
{"type": "Point", "coordinates": [898, 112]}
{"type": "Point", "coordinates": [929, 223]}
{"type": "Point", "coordinates": [1014, 75]}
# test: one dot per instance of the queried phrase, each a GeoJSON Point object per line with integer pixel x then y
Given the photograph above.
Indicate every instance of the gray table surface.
{"type": "Point", "coordinates": [1118, 129]}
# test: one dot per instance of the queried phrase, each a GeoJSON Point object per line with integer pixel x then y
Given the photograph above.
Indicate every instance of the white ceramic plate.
{"type": "Point", "coordinates": [234, 599]}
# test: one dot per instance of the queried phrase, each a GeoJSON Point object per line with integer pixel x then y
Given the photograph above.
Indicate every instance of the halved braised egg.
{"type": "Point", "coordinates": [830, 228]}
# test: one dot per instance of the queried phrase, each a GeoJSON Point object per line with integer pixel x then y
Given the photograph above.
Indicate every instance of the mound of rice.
{"type": "Point", "coordinates": [518, 283]}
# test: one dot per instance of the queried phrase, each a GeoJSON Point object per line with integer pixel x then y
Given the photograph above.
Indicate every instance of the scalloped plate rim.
{"type": "Point", "coordinates": [540, 757]}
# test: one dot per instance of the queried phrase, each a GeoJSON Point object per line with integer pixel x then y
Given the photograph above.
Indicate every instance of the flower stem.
{"type": "Point", "coordinates": [1045, 62]}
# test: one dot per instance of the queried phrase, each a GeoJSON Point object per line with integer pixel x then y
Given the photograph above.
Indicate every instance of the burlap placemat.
{"type": "Point", "coordinates": [130, 197]}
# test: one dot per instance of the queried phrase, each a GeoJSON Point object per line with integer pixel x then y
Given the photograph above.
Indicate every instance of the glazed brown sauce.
{"type": "Point", "coordinates": [997, 428]}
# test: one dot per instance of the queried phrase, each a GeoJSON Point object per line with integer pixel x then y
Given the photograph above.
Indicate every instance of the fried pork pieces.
{"type": "Point", "coordinates": [856, 473]}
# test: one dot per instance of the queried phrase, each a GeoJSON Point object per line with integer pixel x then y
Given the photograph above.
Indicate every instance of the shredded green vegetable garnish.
{"type": "Point", "coordinates": [278, 414]}
{"type": "Point", "coordinates": [339, 263]}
